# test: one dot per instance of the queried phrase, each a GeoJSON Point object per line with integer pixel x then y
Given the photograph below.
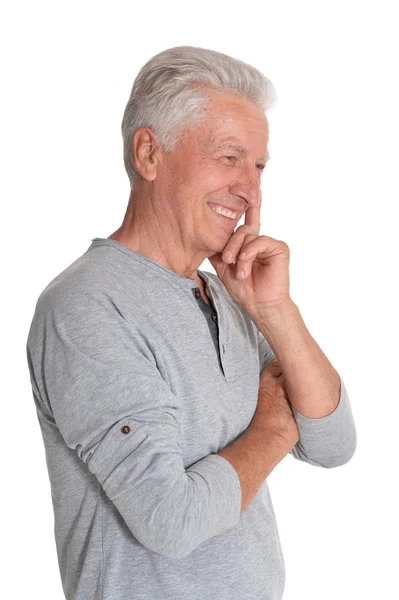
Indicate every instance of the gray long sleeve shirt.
{"type": "Point", "coordinates": [138, 383]}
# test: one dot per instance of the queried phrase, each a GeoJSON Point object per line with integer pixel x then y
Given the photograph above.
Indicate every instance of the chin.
{"type": "Point", "coordinates": [217, 248]}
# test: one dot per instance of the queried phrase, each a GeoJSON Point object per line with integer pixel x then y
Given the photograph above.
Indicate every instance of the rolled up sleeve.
{"type": "Point", "coordinates": [328, 441]}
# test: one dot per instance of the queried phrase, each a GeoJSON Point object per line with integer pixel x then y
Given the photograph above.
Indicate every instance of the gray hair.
{"type": "Point", "coordinates": [172, 87]}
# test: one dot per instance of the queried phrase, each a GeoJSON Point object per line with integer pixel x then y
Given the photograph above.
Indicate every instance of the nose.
{"type": "Point", "coordinates": [247, 185]}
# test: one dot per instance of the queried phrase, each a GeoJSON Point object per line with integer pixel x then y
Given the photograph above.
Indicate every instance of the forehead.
{"type": "Point", "coordinates": [231, 119]}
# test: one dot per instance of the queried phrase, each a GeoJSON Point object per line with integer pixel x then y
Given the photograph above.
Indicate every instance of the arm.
{"type": "Point", "coordinates": [254, 455]}
{"type": "Point", "coordinates": [269, 437]}
{"type": "Point", "coordinates": [321, 409]}
{"type": "Point", "coordinates": [312, 383]}
{"type": "Point", "coordinates": [100, 382]}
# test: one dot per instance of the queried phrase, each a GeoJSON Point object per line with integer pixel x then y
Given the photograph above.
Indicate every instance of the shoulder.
{"type": "Point", "coordinates": [89, 290]}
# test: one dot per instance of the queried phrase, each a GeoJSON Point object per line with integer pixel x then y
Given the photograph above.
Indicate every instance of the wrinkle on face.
{"type": "Point", "coordinates": [194, 173]}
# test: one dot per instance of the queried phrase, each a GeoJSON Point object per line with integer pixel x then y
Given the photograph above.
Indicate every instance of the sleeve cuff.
{"type": "Point", "coordinates": [320, 423]}
{"type": "Point", "coordinates": [223, 479]}
{"type": "Point", "coordinates": [328, 441]}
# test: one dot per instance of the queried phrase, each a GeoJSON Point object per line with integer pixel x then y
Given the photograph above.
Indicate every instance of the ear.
{"type": "Point", "coordinates": [146, 153]}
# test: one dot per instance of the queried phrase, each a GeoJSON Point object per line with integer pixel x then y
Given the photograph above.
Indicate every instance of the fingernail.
{"type": "Point", "coordinates": [227, 255]}
{"type": "Point", "coordinates": [241, 274]}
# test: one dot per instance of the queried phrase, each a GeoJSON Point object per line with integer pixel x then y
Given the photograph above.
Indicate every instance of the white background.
{"type": "Point", "coordinates": [330, 191]}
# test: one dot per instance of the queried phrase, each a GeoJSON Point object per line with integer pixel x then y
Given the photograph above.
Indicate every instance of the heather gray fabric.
{"type": "Point", "coordinates": [137, 387]}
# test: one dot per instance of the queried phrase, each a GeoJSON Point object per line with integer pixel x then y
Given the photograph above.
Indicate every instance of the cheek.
{"type": "Point", "coordinates": [215, 177]}
{"type": "Point", "coordinates": [219, 182]}
{"type": "Point", "coordinates": [199, 178]}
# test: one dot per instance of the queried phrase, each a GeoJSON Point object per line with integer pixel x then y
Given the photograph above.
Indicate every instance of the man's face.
{"type": "Point", "coordinates": [216, 164]}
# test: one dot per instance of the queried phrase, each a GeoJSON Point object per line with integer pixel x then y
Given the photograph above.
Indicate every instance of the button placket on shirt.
{"type": "Point", "coordinates": [229, 369]}
{"type": "Point", "coordinates": [222, 349]}
{"type": "Point", "coordinates": [198, 296]}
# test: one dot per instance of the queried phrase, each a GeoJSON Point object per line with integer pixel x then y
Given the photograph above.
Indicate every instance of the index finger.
{"type": "Point", "coordinates": [252, 215]}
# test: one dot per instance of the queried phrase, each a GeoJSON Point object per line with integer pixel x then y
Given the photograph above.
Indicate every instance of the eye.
{"type": "Point", "coordinates": [261, 167]}
{"type": "Point", "coordinates": [230, 158]}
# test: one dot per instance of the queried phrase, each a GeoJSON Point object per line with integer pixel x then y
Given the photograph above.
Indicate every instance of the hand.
{"type": "Point", "coordinates": [266, 276]}
{"type": "Point", "coordinates": [274, 410]}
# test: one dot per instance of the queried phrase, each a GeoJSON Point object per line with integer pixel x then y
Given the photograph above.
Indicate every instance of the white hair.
{"type": "Point", "coordinates": [172, 87]}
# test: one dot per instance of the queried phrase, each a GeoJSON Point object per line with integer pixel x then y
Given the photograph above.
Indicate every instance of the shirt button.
{"type": "Point", "coordinates": [214, 316]}
{"type": "Point", "coordinates": [125, 429]}
{"type": "Point", "coordinates": [197, 294]}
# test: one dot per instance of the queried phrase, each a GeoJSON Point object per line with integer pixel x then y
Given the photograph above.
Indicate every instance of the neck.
{"type": "Point", "coordinates": [154, 235]}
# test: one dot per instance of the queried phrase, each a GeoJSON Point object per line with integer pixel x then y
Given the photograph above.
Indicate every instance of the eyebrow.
{"type": "Point", "coordinates": [241, 149]}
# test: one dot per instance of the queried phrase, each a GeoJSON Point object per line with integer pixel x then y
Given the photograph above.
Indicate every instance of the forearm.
{"type": "Point", "coordinates": [312, 383]}
{"type": "Point", "coordinates": [254, 454]}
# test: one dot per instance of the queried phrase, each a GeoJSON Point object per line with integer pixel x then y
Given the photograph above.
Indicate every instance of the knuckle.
{"type": "Point", "coordinates": [245, 228]}
{"type": "Point", "coordinates": [285, 246]}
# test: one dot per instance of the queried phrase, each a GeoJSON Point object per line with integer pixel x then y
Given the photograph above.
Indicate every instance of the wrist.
{"type": "Point", "coordinates": [271, 316]}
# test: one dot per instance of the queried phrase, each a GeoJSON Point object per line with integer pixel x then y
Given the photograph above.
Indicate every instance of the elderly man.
{"type": "Point", "coordinates": [166, 394]}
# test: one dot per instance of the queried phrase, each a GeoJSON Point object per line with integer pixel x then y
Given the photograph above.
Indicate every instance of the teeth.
{"type": "Point", "coordinates": [224, 212]}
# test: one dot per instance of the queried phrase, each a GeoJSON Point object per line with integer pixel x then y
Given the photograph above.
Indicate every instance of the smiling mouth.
{"type": "Point", "coordinates": [220, 210]}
